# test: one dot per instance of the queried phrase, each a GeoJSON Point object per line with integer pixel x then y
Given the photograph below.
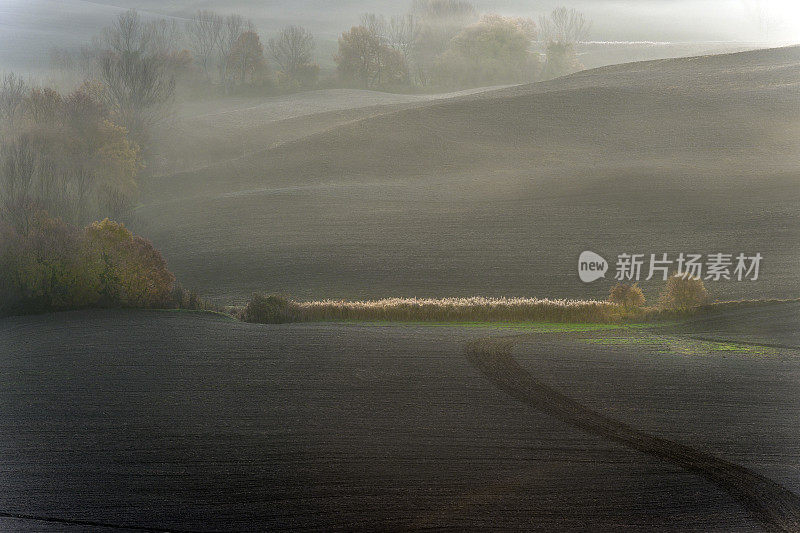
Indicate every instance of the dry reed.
{"type": "Point", "coordinates": [475, 309]}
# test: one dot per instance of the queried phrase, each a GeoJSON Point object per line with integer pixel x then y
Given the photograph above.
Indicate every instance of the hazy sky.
{"type": "Point", "coordinates": [668, 20]}
{"type": "Point", "coordinates": [663, 20]}
{"type": "Point", "coordinates": [28, 28]}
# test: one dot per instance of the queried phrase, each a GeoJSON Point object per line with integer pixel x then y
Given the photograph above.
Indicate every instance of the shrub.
{"type": "Point", "coordinates": [46, 268]}
{"type": "Point", "coordinates": [182, 298]}
{"type": "Point", "coordinates": [626, 295]}
{"type": "Point", "coordinates": [270, 309]}
{"type": "Point", "coordinates": [684, 292]}
{"type": "Point", "coordinates": [53, 266]}
{"type": "Point", "coordinates": [133, 272]}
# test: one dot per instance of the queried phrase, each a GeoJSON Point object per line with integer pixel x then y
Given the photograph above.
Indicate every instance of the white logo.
{"type": "Point", "coordinates": [591, 267]}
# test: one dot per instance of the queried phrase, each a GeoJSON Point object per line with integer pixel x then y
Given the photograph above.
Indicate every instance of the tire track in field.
{"type": "Point", "coordinates": [776, 507]}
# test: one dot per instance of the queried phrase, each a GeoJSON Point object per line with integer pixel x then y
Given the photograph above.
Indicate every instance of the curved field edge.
{"type": "Point", "coordinates": [775, 506]}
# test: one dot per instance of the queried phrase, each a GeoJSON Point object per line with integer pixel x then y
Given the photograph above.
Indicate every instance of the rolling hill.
{"type": "Point", "coordinates": [497, 193]}
{"type": "Point", "coordinates": [214, 130]}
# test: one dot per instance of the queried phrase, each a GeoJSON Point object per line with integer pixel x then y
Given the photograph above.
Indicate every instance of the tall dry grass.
{"type": "Point", "coordinates": [475, 309]}
{"type": "Point", "coordinates": [276, 309]}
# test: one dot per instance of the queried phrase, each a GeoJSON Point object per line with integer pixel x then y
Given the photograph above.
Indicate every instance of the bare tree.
{"type": "Point", "coordinates": [232, 28]}
{"type": "Point", "coordinates": [19, 162]}
{"type": "Point", "coordinates": [376, 24]}
{"type": "Point", "coordinates": [398, 32]}
{"type": "Point", "coordinates": [292, 49]}
{"type": "Point", "coordinates": [133, 65]}
{"type": "Point", "coordinates": [204, 30]}
{"type": "Point", "coordinates": [34, 175]}
{"type": "Point", "coordinates": [163, 36]}
{"type": "Point", "coordinates": [564, 26]}
{"type": "Point", "coordinates": [13, 91]}
{"type": "Point", "coordinates": [137, 86]}
{"type": "Point", "coordinates": [403, 33]}
{"type": "Point", "coordinates": [126, 35]}
{"type": "Point", "coordinates": [562, 30]}
{"type": "Point", "coordinates": [61, 59]}
{"type": "Point", "coordinates": [87, 59]}
{"type": "Point", "coordinates": [130, 34]}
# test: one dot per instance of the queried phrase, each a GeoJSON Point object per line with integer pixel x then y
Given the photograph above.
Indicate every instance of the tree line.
{"type": "Point", "coordinates": [447, 43]}
{"type": "Point", "coordinates": [208, 51]}
{"type": "Point", "coordinates": [437, 43]}
{"type": "Point", "coordinates": [77, 155]}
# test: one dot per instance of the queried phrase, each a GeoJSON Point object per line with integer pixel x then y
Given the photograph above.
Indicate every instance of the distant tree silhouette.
{"type": "Point", "coordinates": [562, 31]}
{"type": "Point", "coordinates": [365, 57]}
{"type": "Point", "coordinates": [204, 30]}
{"type": "Point", "coordinates": [293, 52]}
{"type": "Point", "coordinates": [247, 57]}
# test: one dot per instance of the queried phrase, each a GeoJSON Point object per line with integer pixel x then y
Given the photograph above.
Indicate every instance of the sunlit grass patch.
{"type": "Point", "coordinates": [681, 345]}
{"type": "Point", "coordinates": [622, 341]}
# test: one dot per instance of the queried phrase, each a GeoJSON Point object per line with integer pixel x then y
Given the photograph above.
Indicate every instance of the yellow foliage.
{"type": "Point", "coordinates": [119, 156]}
{"type": "Point", "coordinates": [55, 266]}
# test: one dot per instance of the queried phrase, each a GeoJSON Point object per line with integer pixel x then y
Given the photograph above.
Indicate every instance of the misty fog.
{"type": "Point", "coordinates": [29, 28]}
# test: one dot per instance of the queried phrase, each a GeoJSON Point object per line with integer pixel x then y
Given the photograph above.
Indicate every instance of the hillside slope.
{"type": "Point", "coordinates": [212, 131]}
{"type": "Point", "coordinates": [498, 193]}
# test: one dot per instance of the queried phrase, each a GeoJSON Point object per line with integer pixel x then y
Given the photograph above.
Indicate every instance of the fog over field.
{"type": "Point", "coordinates": [397, 266]}
{"type": "Point", "coordinates": [499, 193]}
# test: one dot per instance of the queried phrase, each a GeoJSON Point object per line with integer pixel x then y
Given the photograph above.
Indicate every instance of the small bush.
{"type": "Point", "coordinates": [684, 292]}
{"type": "Point", "coordinates": [182, 298]}
{"type": "Point", "coordinates": [626, 295]}
{"type": "Point", "coordinates": [270, 309]}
